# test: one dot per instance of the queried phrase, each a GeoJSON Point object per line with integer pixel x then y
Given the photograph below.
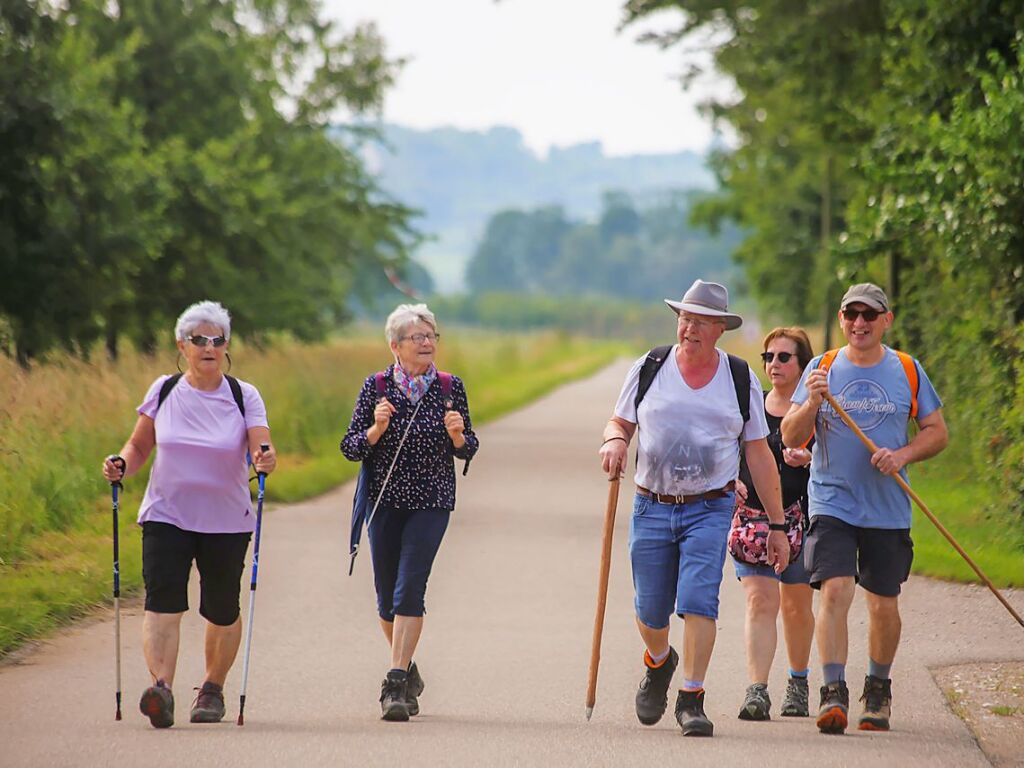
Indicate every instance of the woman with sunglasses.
{"type": "Point", "coordinates": [197, 505]}
{"type": "Point", "coordinates": [787, 351]}
{"type": "Point", "coordinates": [410, 422]}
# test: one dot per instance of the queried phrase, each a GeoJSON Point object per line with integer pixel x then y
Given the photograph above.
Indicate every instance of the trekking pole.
{"type": "Point", "coordinates": [115, 486]}
{"type": "Point", "coordinates": [602, 591]}
{"type": "Point", "coordinates": [921, 505]}
{"type": "Point", "coordinates": [261, 480]}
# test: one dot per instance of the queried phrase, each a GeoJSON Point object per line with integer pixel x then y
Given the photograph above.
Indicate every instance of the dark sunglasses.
{"type": "Point", "coordinates": [869, 315]}
{"type": "Point", "coordinates": [202, 341]}
{"type": "Point", "coordinates": [784, 357]}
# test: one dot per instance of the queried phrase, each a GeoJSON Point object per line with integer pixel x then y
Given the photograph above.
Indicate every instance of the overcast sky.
{"type": "Point", "coordinates": [555, 69]}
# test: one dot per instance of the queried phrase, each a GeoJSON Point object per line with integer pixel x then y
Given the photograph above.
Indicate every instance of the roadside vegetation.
{"type": "Point", "coordinates": [59, 419]}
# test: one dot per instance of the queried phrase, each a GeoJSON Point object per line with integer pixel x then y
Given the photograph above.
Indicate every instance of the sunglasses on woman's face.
{"type": "Point", "coordinates": [784, 357]}
{"type": "Point", "coordinates": [870, 315]}
{"type": "Point", "coordinates": [202, 341]}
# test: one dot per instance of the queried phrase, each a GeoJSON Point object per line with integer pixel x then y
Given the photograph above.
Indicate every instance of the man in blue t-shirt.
{"type": "Point", "coordinates": [860, 518]}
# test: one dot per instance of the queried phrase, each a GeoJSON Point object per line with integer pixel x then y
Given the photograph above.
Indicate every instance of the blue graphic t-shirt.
{"type": "Point", "coordinates": [843, 482]}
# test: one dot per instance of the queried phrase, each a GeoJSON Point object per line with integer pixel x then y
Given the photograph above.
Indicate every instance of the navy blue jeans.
{"type": "Point", "coordinates": [403, 544]}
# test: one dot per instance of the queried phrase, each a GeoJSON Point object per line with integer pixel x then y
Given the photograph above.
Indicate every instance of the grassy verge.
{"type": "Point", "coordinates": [59, 420]}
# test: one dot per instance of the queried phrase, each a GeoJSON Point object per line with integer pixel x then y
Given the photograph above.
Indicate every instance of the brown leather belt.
{"type": "Point", "coordinates": [664, 498]}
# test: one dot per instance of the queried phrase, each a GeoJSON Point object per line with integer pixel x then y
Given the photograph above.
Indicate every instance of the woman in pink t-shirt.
{"type": "Point", "coordinates": [197, 505]}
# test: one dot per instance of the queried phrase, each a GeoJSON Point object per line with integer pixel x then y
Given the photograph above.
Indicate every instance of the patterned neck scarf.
{"type": "Point", "coordinates": [414, 387]}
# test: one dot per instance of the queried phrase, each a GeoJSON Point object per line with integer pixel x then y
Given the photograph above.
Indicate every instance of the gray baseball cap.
{"type": "Point", "coordinates": [866, 293]}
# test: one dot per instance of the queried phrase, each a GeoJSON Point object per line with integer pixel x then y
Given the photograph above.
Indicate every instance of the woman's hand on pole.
{"type": "Point", "coordinates": [265, 461]}
{"type": "Point", "coordinates": [114, 468]}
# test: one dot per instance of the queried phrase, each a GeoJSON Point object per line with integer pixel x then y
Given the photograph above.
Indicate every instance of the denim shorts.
{"type": "Point", "coordinates": [677, 552]}
{"type": "Point", "coordinates": [794, 573]}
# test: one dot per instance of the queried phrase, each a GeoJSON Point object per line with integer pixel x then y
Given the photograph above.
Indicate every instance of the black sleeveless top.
{"type": "Point", "coordinates": [794, 479]}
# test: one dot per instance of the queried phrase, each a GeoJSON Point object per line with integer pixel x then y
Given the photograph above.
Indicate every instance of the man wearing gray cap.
{"type": "Point", "coordinates": [693, 415]}
{"type": "Point", "coordinates": [860, 519]}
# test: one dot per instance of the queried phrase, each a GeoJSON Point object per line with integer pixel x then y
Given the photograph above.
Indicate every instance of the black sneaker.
{"type": "Point", "coordinates": [756, 705]}
{"type": "Point", "coordinates": [157, 703]}
{"type": "Point", "coordinates": [209, 704]}
{"type": "Point", "coordinates": [835, 703]}
{"type": "Point", "coordinates": [877, 700]}
{"type": "Point", "coordinates": [393, 693]}
{"type": "Point", "coordinates": [652, 696]}
{"type": "Point", "coordinates": [413, 689]}
{"type": "Point", "coordinates": [690, 714]}
{"type": "Point", "coordinates": [797, 700]}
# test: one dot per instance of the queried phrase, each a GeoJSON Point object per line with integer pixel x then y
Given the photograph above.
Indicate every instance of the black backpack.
{"type": "Point", "coordinates": [172, 382]}
{"type": "Point", "coordinates": [737, 367]}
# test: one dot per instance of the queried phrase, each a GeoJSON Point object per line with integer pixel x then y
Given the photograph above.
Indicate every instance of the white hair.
{"type": "Point", "coordinates": [202, 312]}
{"type": "Point", "coordinates": [405, 315]}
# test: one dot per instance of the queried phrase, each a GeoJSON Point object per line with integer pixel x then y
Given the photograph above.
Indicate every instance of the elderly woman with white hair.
{"type": "Point", "coordinates": [197, 506]}
{"type": "Point", "coordinates": [410, 421]}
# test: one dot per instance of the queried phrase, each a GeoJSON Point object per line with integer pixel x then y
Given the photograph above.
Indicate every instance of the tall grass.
{"type": "Point", "coordinates": [60, 419]}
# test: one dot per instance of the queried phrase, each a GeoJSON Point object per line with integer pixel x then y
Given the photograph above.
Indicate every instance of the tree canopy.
{"type": "Point", "coordinates": [155, 153]}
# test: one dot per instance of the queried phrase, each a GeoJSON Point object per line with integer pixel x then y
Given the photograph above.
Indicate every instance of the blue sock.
{"type": "Point", "coordinates": [834, 673]}
{"type": "Point", "coordinates": [802, 673]}
{"type": "Point", "coordinates": [693, 685]}
{"type": "Point", "coordinates": [881, 671]}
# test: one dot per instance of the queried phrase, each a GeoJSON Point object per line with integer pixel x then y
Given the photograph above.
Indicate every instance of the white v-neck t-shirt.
{"type": "Point", "coordinates": [689, 439]}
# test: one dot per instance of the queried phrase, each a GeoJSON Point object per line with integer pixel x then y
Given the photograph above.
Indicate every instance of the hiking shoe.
{"type": "Point", "coordinates": [413, 689]}
{"type": "Point", "coordinates": [209, 704]}
{"type": "Point", "coordinates": [877, 698]}
{"type": "Point", "coordinates": [797, 700]}
{"type": "Point", "coordinates": [393, 693]}
{"type": "Point", "coordinates": [756, 704]}
{"type": "Point", "coordinates": [690, 714]}
{"type": "Point", "coordinates": [835, 702]}
{"type": "Point", "coordinates": [157, 703]}
{"type": "Point", "coordinates": [652, 696]}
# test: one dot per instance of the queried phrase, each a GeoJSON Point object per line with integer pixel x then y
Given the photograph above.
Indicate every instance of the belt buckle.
{"type": "Point", "coordinates": [680, 498]}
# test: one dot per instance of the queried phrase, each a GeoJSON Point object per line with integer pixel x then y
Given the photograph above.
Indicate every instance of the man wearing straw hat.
{"type": "Point", "coordinates": [860, 519]}
{"type": "Point", "coordinates": [688, 403]}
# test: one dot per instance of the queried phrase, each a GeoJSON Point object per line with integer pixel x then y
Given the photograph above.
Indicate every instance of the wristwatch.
{"type": "Point", "coordinates": [777, 527]}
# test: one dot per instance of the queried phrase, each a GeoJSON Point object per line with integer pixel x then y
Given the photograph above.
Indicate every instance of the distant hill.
{"type": "Point", "coordinates": [460, 178]}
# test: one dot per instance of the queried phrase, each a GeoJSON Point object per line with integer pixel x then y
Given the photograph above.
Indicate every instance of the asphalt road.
{"type": "Point", "coordinates": [505, 651]}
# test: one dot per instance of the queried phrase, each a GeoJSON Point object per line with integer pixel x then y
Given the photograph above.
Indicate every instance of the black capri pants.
{"type": "Point", "coordinates": [403, 544]}
{"type": "Point", "coordinates": [167, 555]}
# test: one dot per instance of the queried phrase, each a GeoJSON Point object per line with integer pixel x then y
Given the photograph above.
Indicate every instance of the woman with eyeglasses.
{"type": "Point", "coordinates": [410, 422]}
{"type": "Point", "coordinates": [787, 351]}
{"type": "Point", "coordinates": [203, 424]}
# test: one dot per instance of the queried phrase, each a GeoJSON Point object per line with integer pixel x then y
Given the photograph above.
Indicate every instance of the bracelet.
{"type": "Point", "coordinates": [617, 437]}
{"type": "Point", "coordinates": [777, 527]}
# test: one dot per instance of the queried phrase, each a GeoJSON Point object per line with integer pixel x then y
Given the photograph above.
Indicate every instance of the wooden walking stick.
{"type": "Point", "coordinates": [921, 505]}
{"type": "Point", "coordinates": [602, 591]}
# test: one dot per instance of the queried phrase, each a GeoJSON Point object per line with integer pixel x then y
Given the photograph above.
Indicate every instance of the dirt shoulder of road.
{"type": "Point", "coordinates": [989, 698]}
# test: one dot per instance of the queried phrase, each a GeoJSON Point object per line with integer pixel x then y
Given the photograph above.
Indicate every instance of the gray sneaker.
{"type": "Point", "coordinates": [413, 689]}
{"type": "Point", "coordinates": [157, 703]}
{"type": "Point", "coordinates": [209, 704]}
{"type": "Point", "coordinates": [797, 701]}
{"type": "Point", "coordinates": [757, 704]}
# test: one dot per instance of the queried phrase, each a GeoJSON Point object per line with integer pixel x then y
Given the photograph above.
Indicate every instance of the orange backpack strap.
{"type": "Point", "coordinates": [824, 364]}
{"type": "Point", "coordinates": [910, 368]}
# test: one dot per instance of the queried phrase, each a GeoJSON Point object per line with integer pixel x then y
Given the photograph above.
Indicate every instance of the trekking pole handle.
{"type": "Point", "coordinates": [120, 463]}
{"type": "Point", "coordinates": [262, 476]}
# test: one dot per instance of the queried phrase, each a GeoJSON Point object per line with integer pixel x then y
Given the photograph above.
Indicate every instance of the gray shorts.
{"type": "Point", "coordinates": [878, 558]}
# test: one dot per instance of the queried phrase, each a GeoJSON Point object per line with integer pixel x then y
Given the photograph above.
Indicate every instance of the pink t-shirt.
{"type": "Point", "coordinates": [200, 480]}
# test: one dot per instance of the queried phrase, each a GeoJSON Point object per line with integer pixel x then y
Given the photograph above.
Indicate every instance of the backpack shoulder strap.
{"type": "Point", "coordinates": [741, 382]}
{"type": "Point", "coordinates": [910, 368]}
{"type": "Point", "coordinates": [446, 384]}
{"type": "Point", "coordinates": [652, 364]}
{"type": "Point", "coordinates": [827, 359]}
{"type": "Point", "coordinates": [236, 392]}
{"type": "Point", "coordinates": [165, 389]}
